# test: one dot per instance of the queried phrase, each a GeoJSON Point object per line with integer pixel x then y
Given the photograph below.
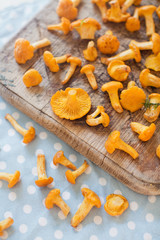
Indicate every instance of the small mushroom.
{"type": "Point", "coordinates": [86, 27]}
{"type": "Point", "coordinates": [52, 62]}
{"type": "Point", "coordinates": [43, 180]}
{"type": "Point", "coordinates": [54, 198]}
{"type": "Point", "coordinates": [32, 78]}
{"type": "Point", "coordinates": [88, 71]}
{"type": "Point", "coordinates": [112, 89]}
{"type": "Point", "coordinates": [133, 22]}
{"type": "Point", "coordinates": [115, 204]}
{"type": "Point", "coordinates": [72, 175]}
{"type": "Point", "coordinates": [67, 9]}
{"type": "Point", "coordinates": [158, 11]}
{"type": "Point", "coordinates": [6, 223]}
{"type": "Point", "coordinates": [28, 135]}
{"type": "Point", "coordinates": [101, 4]}
{"type": "Point", "coordinates": [153, 44]}
{"type": "Point", "coordinates": [132, 53]}
{"type": "Point", "coordinates": [91, 199]}
{"type": "Point", "coordinates": [114, 14]}
{"type": "Point", "coordinates": [158, 151]}
{"type": "Point", "coordinates": [108, 43]}
{"type": "Point", "coordinates": [153, 62]}
{"type": "Point", "coordinates": [145, 133]}
{"type": "Point", "coordinates": [12, 179]}
{"type": "Point", "coordinates": [24, 51]}
{"type": "Point", "coordinates": [59, 158]}
{"type": "Point", "coordinates": [73, 103]}
{"type": "Point", "coordinates": [132, 98]}
{"type": "Point", "coordinates": [64, 26]}
{"type": "Point", "coordinates": [153, 111]}
{"type": "Point", "coordinates": [115, 142]}
{"type": "Point", "coordinates": [129, 3]}
{"type": "Point", "coordinates": [147, 12]}
{"type": "Point", "coordinates": [118, 70]}
{"type": "Point", "coordinates": [90, 53]}
{"type": "Point", "coordinates": [149, 80]}
{"type": "Point", "coordinates": [103, 119]}
{"type": "Point", "coordinates": [74, 62]}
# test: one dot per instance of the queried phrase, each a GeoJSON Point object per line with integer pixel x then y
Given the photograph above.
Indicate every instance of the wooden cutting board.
{"type": "Point", "coordinates": [143, 174]}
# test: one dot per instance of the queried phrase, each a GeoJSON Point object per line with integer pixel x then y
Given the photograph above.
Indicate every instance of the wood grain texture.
{"type": "Point", "coordinates": [141, 175]}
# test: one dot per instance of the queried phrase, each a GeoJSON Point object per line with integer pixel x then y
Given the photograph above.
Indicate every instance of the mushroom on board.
{"type": "Point", "coordinates": [66, 9]}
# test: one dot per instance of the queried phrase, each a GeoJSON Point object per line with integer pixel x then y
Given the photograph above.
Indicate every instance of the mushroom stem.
{"type": "Point", "coordinates": [126, 5]}
{"type": "Point", "coordinates": [114, 98]}
{"type": "Point", "coordinates": [80, 170]}
{"type": "Point", "coordinates": [6, 176]}
{"type": "Point", "coordinates": [121, 145]}
{"type": "Point", "coordinates": [62, 205]}
{"type": "Point", "coordinates": [82, 212]}
{"type": "Point", "coordinates": [70, 72]}
{"type": "Point", "coordinates": [6, 223]}
{"type": "Point", "coordinates": [144, 45]}
{"type": "Point", "coordinates": [71, 97]}
{"type": "Point", "coordinates": [102, 7]}
{"type": "Point", "coordinates": [92, 80]}
{"type": "Point", "coordinates": [14, 123]}
{"type": "Point", "coordinates": [149, 22]}
{"type": "Point", "coordinates": [55, 27]}
{"type": "Point", "coordinates": [62, 59]}
{"type": "Point", "coordinates": [42, 43]}
{"type": "Point", "coordinates": [130, 84]}
{"type": "Point", "coordinates": [138, 127]}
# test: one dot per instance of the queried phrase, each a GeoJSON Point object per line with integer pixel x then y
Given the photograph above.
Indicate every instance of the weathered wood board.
{"type": "Point", "coordinates": [143, 174]}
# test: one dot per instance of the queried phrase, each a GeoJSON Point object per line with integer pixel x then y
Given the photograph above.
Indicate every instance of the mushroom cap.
{"type": "Point", "coordinates": [87, 68]}
{"type": "Point", "coordinates": [108, 44]}
{"type": "Point", "coordinates": [65, 9]}
{"type": "Point", "coordinates": [50, 61]}
{"type": "Point", "coordinates": [75, 60]}
{"type": "Point", "coordinates": [115, 204]}
{"type": "Point", "coordinates": [133, 98]}
{"type": "Point", "coordinates": [15, 179]}
{"type": "Point", "coordinates": [65, 25]}
{"type": "Point", "coordinates": [132, 24]}
{"type": "Point", "coordinates": [106, 119]}
{"type": "Point", "coordinates": [110, 144]}
{"type": "Point", "coordinates": [155, 96]}
{"type": "Point", "coordinates": [23, 50]}
{"type": "Point", "coordinates": [136, 50]}
{"type": "Point", "coordinates": [67, 106]}
{"type": "Point", "coordinates": [145, 10]}
{"type": "Point", "coordinates": [57, 156]}
{"type": "Point", "coordinates": [156, 42]}
{"type": "Point", "coordinates": [158, 11]}
{"type": "Point", "coordinates": [158, 151]}
{"type": "Point", "coordinates": [118, 70]}
{"type": "Point", "coordinates": [70, 176]}
{"type": "Point", "coordinates": [44, 182]}
{"type": "Point", "coordinates": [32, 78]}
{"type": "Point", "coordinates": [147, 133]}
{"type": "Point", "coordinates": [153, 62]}
{"type": "Point", "coordinates": [29, 135]}
{"type": "Point", "coordinates": [53, 194]}
{"type": "Point", "coordinates": [91, 196]}
{"type": "Point", "coordinates": [111, 86]}
{"type": "Point", "coordinates": [143, 77]}
{"type": "Point", "coordinates": [80, 23]}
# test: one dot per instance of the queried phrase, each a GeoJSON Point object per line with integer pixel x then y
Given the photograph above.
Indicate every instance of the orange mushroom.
{"type": "Point", "coordinates": [73, 103]}
{"type": "Point", "coordinates": [93, 120]}
{"type": "Point", "coordinates": [101, 4]}
{"type": "Point", "coordinates": [147, 12]}
{"type": "Point", "coordinates": [54, 198]}
{"type": "Point", "coordinates": [64, 26]}
{"type": "Point", "coordinates": [153, 62]}
{"type": "Point", "coordinates": [32, 78]}
{"type": "Point", "coordinates": [67, 9]}
{"type": "Point", "coordinates": [153, 109]}
{"type": "Point", "coordinates": [86, 27]}
{"type": "Point", "coordinates": [114, 14]}
{"type": "Point", "coordinates": [118, 70]}
{"type": "Point", "coordinates": [158, 151]}
{"type": "Point", "coordinates": [145, 133]}
{"type": "Point", "coordinates": [158, 11]}
{"type": "Point", "coordinates": [129, 3]}
{"type": "Point", "coordinates": [108, 43]}
{"type": "Point", "coordinates": [90, 53]}
{"type": "Point", "coordinates": [12, 179]}
{"type": "Point", "coordinates": [43, 180]}
{"type": "Point", "coordinates": [28, 135]}
{"type": "Point", "coordinates": [88, 71]}
{"type": "Point", "coordinates": [6, 223]}
{"type": "Point", "coordinates": [24, 51]}
{"type": "Point", "coordinates": [115, 142]}
{"type": "Point", "coordinates": [74, 62]}
{"type": "Point", "coordinates": [59, 158]}
{"type": "Point", "coordinates": [147, 79]}
{"type": "Point", "coordinates": [132, 98]}
{"type": "Point", "coordinates": [112, 89]}
{"type": "Point", "coordinates": [133, 23]}
{"type": "Point", "coordinates": [91, 199]}
{"type": "Point", "coordinates": [115, 204]}
{"type": "Point", "coordinates": [72, 175]}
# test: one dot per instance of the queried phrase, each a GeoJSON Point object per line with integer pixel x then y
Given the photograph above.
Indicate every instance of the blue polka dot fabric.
{"type": "Point", "coordinates": [25, 201]}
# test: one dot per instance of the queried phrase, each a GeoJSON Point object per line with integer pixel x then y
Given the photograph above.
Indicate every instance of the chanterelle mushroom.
{"type": "Point", "coordinates": [93, 120]}
{"type": "Point", "coordinates": [73, 103]}
{"type": "Point", "coordinates": [59, 158]}
{"type": "Point", "coordinates": [158, 11]}
{"type": "Point", "coordinates": [145, 133]}
{"type": "Point", "coordinates": [24, 51]}
{"type": "Point", "coordinates": [12, 179]}
{"type": "Point", "coordinates": [158, 151]}
{"type": "Point", "coordinates": [63, 26]}
{"type": "Point", "coordinates": [153, 62]}
{"type": "Point", "coordinates": [86, 27]}
{"type": "Point", "coordinates": [118, 70]}
{"type": "Point", "coordinates": [133, 23]}
{"type": "Point", "coordinates": [32, 78]}
{"type": "Point", "coordinates": [129, 3]}
{"type": "Point", "coordinates": [6, 223]}
{"type": "Point", "coordinates": [153, 108]}
{"type": "Point", "coordinates": [108, 43]}
{"type": "Point", "coordinates": [88, 71]}
{"type": "Point", "coordinates": [101, 4]}
{"type": "Point", "coordinates": [147, 79]}
{"type": "Point", "coordinates": [90, 53]}
{"type": "Point", "coordinates": [67, 9]}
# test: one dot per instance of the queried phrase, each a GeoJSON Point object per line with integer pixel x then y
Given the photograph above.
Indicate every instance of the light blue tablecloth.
{"type": "Point", "coordinates": [25, 202]}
